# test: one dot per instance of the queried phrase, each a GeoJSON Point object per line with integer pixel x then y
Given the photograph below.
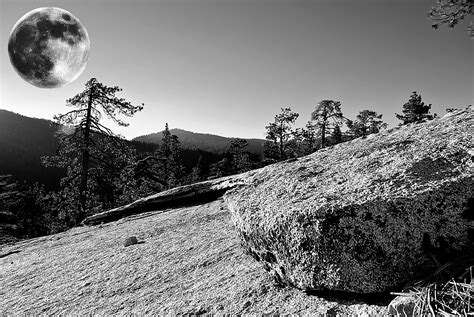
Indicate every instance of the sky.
{"type": "Point", "coordinates": [226, 67]}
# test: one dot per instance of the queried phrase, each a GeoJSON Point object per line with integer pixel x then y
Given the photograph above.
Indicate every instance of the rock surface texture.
{"type": "Point", "coordinates": [190, 264]}
{"type": "Point", "coordinates": [366, 215]}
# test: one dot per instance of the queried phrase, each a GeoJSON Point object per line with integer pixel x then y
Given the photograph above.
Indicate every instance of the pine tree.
{"type": "Point", "coordinates": [169, 156]}
{"type": "Point", "coordinates": [85, 143]}
{"type": "Point", "coordinates": [239, 156]}
{"type": "Point", "coordinates": [336, 135]}
{"type": "Point", "coordinates": [279, 133]}
{"type": "Point", "coordinates": [31, 210]}
{"type": "Point", "coordinates": [309, 138]}
{"type": "Point", "coordinates": [271, 153]}
{"type": "Point", "coordinates": [176, 162]}
{"type": "Point", "coordinates": [164, 154]}
{"type": "Point", "coordinates": [327, 115]}
{"type": "Point", "coordinates": [23, 211]}
{"type": "Point", "coordinates": [415, 110]}
{"type": "Point", "coordinates": [141, 178]}
{"type": "Point", "coordinates": [221, 168]}
{"type": "Point", "coordinates": [367, 122]}
{"type": "Point", "coordinates": [197, 173]}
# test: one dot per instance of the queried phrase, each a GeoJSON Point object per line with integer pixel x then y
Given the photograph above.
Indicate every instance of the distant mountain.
{"type": "Point", "coordinates": [23, 141]}
{"type": "Point", "coordinates": [206, 142]}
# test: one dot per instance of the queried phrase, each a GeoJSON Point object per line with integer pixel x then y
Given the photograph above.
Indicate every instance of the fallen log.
{"type": "Point", "coordinates": [176, 197]}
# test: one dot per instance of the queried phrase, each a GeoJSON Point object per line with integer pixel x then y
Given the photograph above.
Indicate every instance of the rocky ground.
{"type": "Point", "coordinates": [188, 260]}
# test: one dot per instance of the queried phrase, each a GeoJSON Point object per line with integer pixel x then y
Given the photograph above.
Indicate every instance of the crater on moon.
{"type": "Point", "coordinates": [49, 47]}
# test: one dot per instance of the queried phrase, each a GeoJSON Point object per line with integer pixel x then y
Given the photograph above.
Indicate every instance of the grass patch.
{"type": "Point", "coordinates": [445, 293]}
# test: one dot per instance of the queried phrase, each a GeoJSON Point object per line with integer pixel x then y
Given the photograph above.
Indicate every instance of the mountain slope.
{"type": "Point", "coordinates": [23, 141]}
{"type": "Point", "coordinates": [207, 142]}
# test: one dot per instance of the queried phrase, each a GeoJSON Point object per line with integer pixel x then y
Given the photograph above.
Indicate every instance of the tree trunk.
{"type": "Point", "coordinates": [281, 142]}
{"type": "Point", "coordinates": [323, 128]}
{"type": "Point", "coordinates": [166, 154]}
{"type": "Point", "coordinates": [85, 160]}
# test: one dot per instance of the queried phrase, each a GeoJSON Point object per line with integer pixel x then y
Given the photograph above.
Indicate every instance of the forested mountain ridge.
{"type": "Point", "coordinates": [23, 141]}
{"type": "Point", "coordinates": [206, 142]}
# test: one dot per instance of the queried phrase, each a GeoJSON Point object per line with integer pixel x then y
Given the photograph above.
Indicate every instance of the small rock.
{"type": "Point", "coordinates": [130, 241]}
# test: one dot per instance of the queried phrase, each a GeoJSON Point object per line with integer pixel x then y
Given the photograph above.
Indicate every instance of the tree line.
{"type": "Point", "coordinates": [324, 127]}
{"type": "Point", "coordinates": [103, 170]}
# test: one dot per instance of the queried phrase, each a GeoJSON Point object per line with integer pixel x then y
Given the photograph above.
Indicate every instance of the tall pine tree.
{"type": "Point", "coordinates": [169, 158]}
{"type": "Point", "coordinates": [85, 143]}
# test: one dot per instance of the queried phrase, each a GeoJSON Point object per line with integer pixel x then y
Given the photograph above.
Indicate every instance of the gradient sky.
{"type": "Point", "coordinates": [227, 67]}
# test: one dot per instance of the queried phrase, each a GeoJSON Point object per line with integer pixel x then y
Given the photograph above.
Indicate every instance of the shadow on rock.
{"type": "Point", "coordinates": [377, 298]}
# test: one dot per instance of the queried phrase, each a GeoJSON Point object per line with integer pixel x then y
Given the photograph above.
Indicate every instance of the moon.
{"type": "Point", "coordinates": [49, 47]}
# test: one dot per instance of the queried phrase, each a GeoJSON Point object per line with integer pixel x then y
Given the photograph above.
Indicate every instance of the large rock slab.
{"type": "Point", "coordinates": [366, 215]}
{"type": "Point", "coordinates": [188, 261]}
